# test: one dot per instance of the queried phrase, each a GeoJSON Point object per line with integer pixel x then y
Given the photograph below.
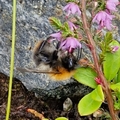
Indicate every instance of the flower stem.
{"type": "Point", "coordinates": [106, 88]}
{"type": "Point", "coordinates": [12, 60]}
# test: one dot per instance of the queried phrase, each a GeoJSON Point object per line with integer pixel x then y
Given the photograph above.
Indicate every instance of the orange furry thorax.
{"type": "Point", "coordinates": [63, 75]}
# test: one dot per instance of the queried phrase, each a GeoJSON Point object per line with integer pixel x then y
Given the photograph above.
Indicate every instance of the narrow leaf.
{"type": "Point", "coordinates": [61, 118]}
{"type": "Point", "coordinates": [55, 22]}
{"type": "Point", "coordinates": [108, 38]}
{"type": "Point", "coordinates": [66, 30]}
{"type": "Point", "coordinates": [118, 76]}
{"type": "Point", "coordinates": [86, 76]}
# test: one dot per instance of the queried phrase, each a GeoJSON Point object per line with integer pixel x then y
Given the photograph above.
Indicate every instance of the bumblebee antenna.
{"type": "Point", "coordinates": [36, 71]}
{"type": "Point", "coordinates": [42, 45]}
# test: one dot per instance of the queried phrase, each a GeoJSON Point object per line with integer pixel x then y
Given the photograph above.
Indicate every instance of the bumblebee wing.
{"type": "Point", "coordinates": [45, 51]}
{"type": "Point", "coordinates": [36, 71]}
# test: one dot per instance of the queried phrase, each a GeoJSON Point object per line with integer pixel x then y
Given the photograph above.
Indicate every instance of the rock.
{"type": "Point", "coordinates": [67, 105]}
{"type": "Point", "coordinates": [32, 25]}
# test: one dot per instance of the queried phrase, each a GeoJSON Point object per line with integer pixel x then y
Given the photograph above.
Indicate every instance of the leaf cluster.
{"type": "Point", "coordinates": [111, 70]}
{"type": "Point", "coordinates": [63, 27]}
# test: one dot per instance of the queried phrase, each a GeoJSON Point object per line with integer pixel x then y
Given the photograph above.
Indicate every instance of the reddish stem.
{"type": "Point", "coordinates": [96, 62]}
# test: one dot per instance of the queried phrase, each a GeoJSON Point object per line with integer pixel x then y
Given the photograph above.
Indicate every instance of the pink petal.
{"type": "Point", "coordinates": [56, 35]}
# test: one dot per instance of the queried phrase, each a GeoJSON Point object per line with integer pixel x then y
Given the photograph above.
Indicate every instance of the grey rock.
{"type": "Point", "coordinates": [32, 25]}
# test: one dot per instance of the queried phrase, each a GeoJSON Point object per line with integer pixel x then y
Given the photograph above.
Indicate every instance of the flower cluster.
{"type": "Point", "coordinates": [104, 18]}
{"type": "Point", "coordinates": [72, 26]}
{"type": "Point", "coordinates": [114, 48]}
{"type": "Point", "coordinates": [111, 5]}
{"type": "Point", "coordinates": [57, 35]}
{"type": "Point", "coordinates": [72, 8]}
{"type": "Point", "coordinates": [70, 42]}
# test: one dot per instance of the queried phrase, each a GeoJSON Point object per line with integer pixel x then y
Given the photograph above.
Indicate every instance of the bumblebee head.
{"type": "Point", "coordinates": [70, 60]}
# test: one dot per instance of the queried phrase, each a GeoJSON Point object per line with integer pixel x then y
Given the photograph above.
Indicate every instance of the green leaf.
{"type": "Point", "coordinates": [111, 63]}
{"type": "Point", "coordinates": [66, 30]}
{"type": "Point", "coordinates": [66, 26]}
{"type": "Point", "coordinates": [115, 87]}
{"type": "Point", "coordinates": [118, 76]}
{"type": "Point", "coordinates": [55, 22]}
{"type": "Point", "coordinates": [104, 44]}
{"type": "Point", "coordinates": [87, 105]}
{"type": "Point", "coordinates": [86, 76]}
{"type": "Point", "coordinates": [61, 118]}
{"type": "Point", "coordinates": [108, 38]}
{"type": "Point", "coordinates": [70, 0]}
{"type": "Point", "coordinates": [98, 94]}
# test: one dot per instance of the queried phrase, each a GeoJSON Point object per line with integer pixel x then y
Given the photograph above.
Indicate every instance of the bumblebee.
{"type": "Point", "coordinates": [51, 59]}
{"type": "Point", "coordinates": [60, 62]}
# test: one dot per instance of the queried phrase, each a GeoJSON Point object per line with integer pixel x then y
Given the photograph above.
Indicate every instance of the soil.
{"type": "Point", "coordinates": [22, 99]}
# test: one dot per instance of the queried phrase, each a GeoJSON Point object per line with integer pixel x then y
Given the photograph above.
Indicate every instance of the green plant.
{"type": "Point", "coordinates": [104, 74]}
